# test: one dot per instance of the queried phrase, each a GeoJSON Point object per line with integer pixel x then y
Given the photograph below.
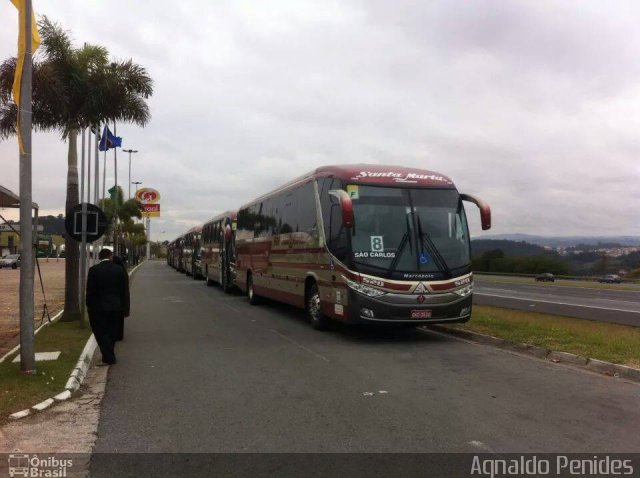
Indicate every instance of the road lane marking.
{"type": "Point", "coordinates": [291, 341]}
{"type": "Point", "coordinates": [481, 446]}
{"type": "Point", "coordinates": [560, 286]}
{"type": "Point", "coordinates": [217, 300]}
{"type": "Point", "coordinates": [480, 291]}
{"type": "Point", "coordinates": [557, 303]}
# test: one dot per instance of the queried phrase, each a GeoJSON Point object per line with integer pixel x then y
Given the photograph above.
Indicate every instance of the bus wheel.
{"type": "Point", "coordinates": [317, 319]}
{"type": "Point", "coordinates": [253, 298]}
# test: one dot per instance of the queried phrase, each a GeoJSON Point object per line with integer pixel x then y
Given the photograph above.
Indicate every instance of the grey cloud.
{"type": "Point", "coordinates": [531, 105]}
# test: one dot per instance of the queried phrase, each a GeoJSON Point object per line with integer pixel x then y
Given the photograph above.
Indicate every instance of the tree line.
{"type": "Point", "coordinates": [486, 259]}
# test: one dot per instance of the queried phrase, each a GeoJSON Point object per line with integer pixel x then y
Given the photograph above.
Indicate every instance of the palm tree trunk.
{"type": "Point", "coordinates": [72, 251]}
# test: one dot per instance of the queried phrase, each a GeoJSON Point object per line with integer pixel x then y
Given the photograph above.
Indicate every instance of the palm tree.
{"type": "Point", "coordinates": [125, 212]}
{"type": "Point", "coordinates": [74, 88]}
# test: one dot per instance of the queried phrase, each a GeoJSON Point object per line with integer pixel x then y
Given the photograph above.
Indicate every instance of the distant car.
{"type": "Point", "coordinates": [11, 260]}
{"type": "Point", "coordinates": [610, 279]}
{"type": "Point", "coordinates": [546, 277]}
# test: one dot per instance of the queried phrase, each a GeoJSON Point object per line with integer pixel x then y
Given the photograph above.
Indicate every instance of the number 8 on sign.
{"type": "Point", "coordinates": [377, 244]}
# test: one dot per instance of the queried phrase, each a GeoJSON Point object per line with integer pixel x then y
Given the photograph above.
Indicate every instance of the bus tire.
{"type": "Point", "coordinates": [314, 313]}
{"type": "Point", "coordinates": [251, 295]}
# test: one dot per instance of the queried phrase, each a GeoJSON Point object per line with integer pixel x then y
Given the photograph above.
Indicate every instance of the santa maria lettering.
{"type": "Point", "coordinates": [402, 178]}
{"type": "Point", "coordinates": [373, 255]}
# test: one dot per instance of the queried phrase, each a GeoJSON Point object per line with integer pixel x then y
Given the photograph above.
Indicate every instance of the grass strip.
{"type": "Point", "coordinates": [18, 391]}
{"type": "Point", "coordinates": [600, 340]}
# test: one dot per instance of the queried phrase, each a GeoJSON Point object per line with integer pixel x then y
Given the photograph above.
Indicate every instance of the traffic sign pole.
{"type": "Point", "coordinates": [83, 264]}
{"type": "Point", "coordinates": [148, 238]}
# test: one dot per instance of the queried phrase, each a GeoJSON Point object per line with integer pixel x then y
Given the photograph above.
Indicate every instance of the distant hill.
{"type": "Point", "coordinates": [510, 248]}
{"type": "Point", "coordinates": [565, 241]}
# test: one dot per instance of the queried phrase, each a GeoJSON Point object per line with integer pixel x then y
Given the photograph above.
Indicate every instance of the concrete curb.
{"type": "Point", "coordinates": [594, 365]}
{"type": "Point", "coordinates": [80, 371]}
{"type": "Point", "coordinates": [76, 377]}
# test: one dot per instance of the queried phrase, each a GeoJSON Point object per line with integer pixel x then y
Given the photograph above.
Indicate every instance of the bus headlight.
{"type": "Point", "coordinates": [465, 291]}
{"type": "Point", "coordinates": [364, 289]}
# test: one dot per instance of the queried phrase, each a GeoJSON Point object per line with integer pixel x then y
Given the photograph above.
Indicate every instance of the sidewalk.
{"type": "Point", "coordinates": [67, 427]}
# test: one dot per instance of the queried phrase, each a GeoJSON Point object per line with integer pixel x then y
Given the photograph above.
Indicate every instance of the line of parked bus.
{"type": "Point", "coordinates": [353, 243]}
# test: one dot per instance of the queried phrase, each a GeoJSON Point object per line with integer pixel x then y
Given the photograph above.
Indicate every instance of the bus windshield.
{"type": "Point", "coordinates": [399, 231]}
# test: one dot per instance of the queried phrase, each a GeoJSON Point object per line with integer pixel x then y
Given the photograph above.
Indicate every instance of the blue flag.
{"type": "Point", "coordinates": [109, 141]}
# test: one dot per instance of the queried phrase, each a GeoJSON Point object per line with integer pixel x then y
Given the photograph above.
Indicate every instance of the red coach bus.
{"type": "Point", "coordinates": [191, 252]}
{"type": "Point", "coordinates": [361, 243]}
{"type": "Point", "coordinates": [218, 255]}
{"type": "Point", "coordinates": [174, 253]}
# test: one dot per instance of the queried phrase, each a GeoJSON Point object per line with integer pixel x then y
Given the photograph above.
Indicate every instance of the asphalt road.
{"type": "Point", "coordinates": [200, 371]}
{"type": "Point", "coordinates": [592, 303]}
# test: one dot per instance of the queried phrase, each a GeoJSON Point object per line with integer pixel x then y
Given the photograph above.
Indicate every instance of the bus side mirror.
{"type": "Point", "coordinates": [346, 205]}
{"type": "Point", "coordinates": [485, 210]}
{"type": "Point", "coordinates": [227, 233]}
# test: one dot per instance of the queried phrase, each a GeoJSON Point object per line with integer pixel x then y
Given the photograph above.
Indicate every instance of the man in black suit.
{"type": "Point", "coordinates": [107, 301]}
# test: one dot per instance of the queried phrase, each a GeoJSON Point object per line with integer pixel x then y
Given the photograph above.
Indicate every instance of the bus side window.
{"type": "Point", "coordinates": [245, 224]}
{"type": "Point", "coordinates": [307, 217]}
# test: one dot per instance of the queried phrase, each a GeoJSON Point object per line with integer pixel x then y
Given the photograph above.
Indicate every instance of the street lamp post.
{"type": "Point", "coordinates": [130, 151]}
{"type": "Point", "coordinates": [137, 183]}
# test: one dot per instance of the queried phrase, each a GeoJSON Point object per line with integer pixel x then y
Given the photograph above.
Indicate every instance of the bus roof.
{"type": "Point", "coordinates": [230, 214]}
{"type": "Point", "coordinates": [197, 228]}
{"type": "Point", "coordinates": [372, 174]}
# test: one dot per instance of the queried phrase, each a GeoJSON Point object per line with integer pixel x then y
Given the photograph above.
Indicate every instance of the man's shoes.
{"type": "Point", "coordinates": [104, 362]}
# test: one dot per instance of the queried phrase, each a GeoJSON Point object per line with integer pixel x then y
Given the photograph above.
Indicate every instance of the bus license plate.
{"type": "Point", "coordinates": [420, 314]}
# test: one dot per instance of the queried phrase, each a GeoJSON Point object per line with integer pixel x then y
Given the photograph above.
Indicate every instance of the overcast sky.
{"type": "Point", "coordinates": [533, 106]}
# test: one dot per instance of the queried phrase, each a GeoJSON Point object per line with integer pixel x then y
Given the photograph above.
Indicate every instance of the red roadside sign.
{"type": "Point", "coordinates": [151, 210]}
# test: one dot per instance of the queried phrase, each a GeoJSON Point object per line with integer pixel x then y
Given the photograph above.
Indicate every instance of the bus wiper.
{"type": "Point", "coordinates": [403, 242]}
{"type": "Point", "coordinates": [428, 242]}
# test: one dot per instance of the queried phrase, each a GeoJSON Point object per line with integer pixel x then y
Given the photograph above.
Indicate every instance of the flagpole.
{"type": "Point", "coordinates": [27, 354]}
{"type": "Point", "coordinates": [104, 164]}
{"type": "Point", "coordinates": [96, 194]}
{"type": "Point", "coordinates": [88, 164]}
{"type": "Point", "coordinates": [82, 158]}
{"type": "Point", "coordinates": [87, 248]}
{"type": "Point", "coordinates": [117, 208]}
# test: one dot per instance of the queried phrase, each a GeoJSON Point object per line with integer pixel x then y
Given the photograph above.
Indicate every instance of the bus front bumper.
{"type": "Point", "coordinates": [387, 309]}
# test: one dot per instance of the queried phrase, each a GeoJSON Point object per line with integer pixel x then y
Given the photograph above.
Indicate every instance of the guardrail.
{"type": "Point", "coordinates": [580, 278]}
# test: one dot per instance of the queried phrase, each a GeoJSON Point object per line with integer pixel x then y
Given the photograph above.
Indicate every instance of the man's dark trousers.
{"type": "Point", "coordinates": [102, 325]}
